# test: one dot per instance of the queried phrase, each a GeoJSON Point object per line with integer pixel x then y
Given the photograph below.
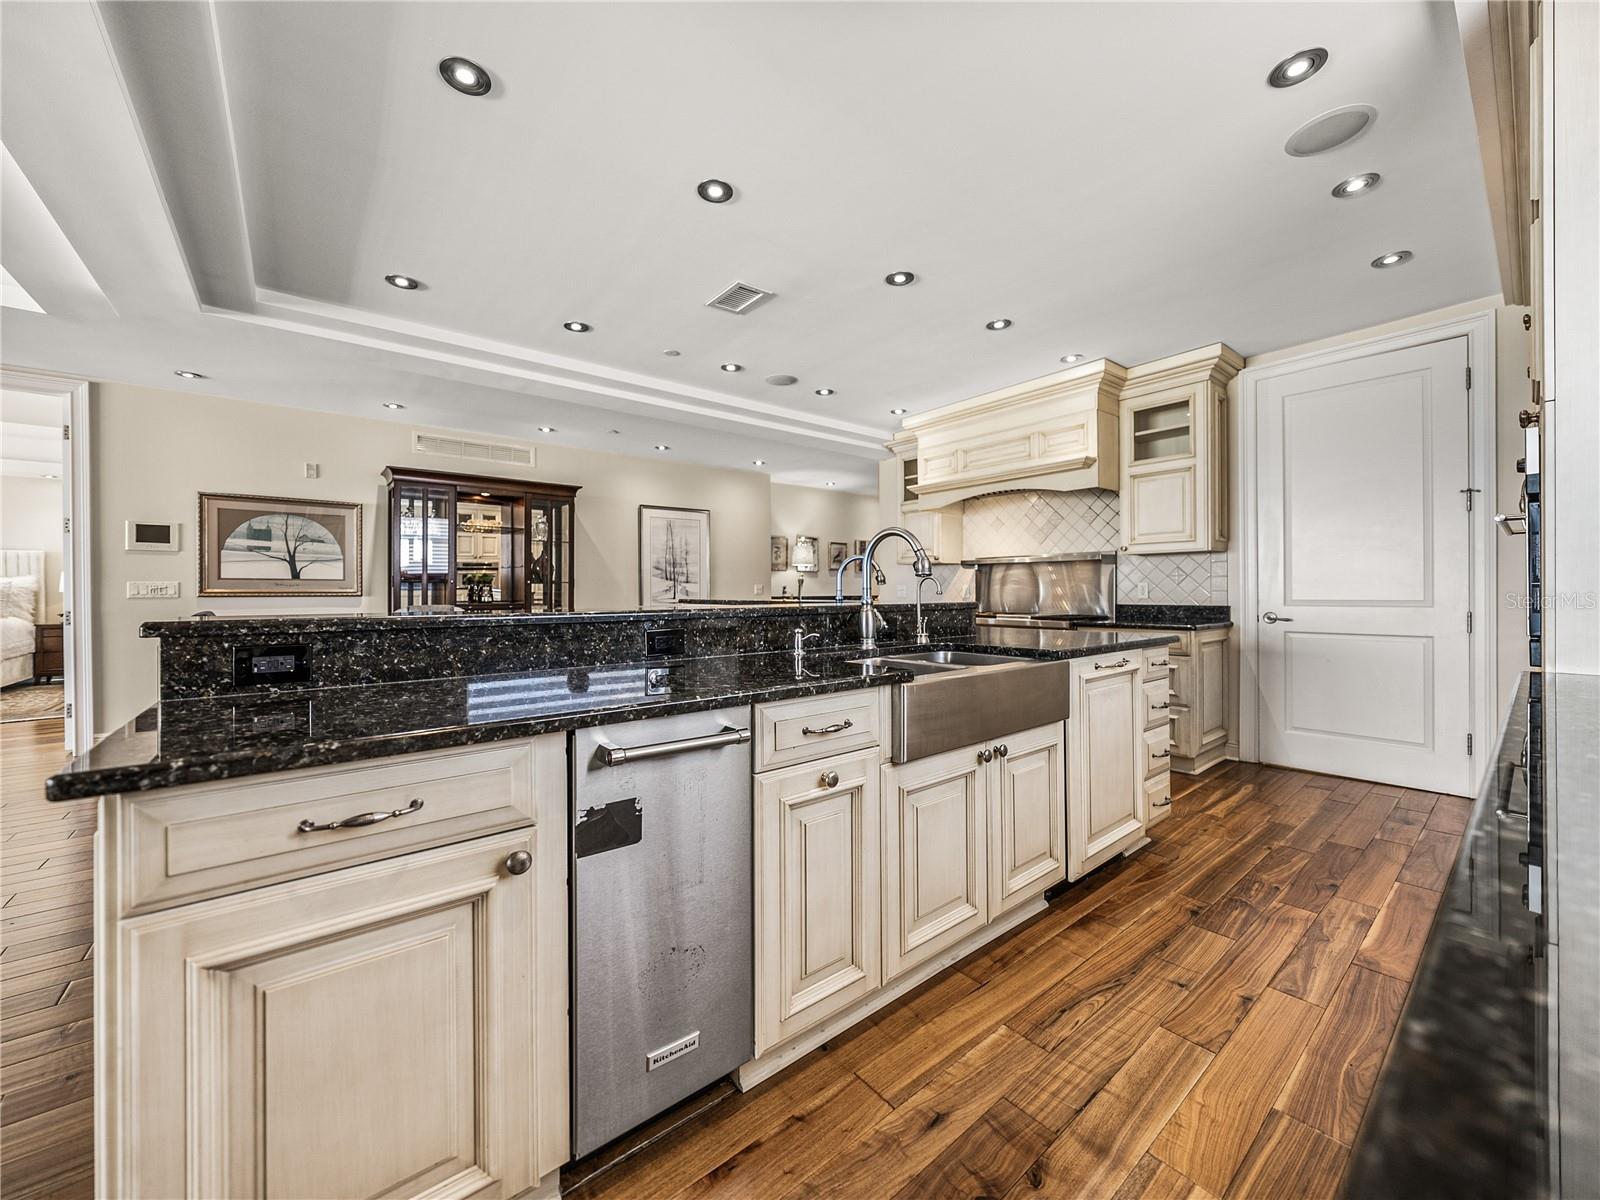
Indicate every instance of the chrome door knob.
{"type": "Point", "coordinates": [1272, 618]}
{"type": "Point", "coordinates": [519, 863]}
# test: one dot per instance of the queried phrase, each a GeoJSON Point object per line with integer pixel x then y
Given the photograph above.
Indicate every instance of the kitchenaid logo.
{"type": "Point", "coordinates": [1575, 601]}
{"type": "Point", "coordinates": [661, 1057]}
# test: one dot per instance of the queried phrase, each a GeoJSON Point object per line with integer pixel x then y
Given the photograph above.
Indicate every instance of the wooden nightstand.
{"type": "Point", "coordinates": [48, 653]}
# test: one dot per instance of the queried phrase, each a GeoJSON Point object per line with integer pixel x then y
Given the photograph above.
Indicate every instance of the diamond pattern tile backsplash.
{"type": "Point", "coordinates": [1016, 523]}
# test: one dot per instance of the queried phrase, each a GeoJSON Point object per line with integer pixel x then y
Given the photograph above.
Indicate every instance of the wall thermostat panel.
{"type": "Point", "coordinates": [148, 535]}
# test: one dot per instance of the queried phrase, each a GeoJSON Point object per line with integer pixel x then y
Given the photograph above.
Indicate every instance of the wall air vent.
{"type": "Point", "coordinates": [482, 451]}
{"type": "Point", "coordinates": [738, 298]}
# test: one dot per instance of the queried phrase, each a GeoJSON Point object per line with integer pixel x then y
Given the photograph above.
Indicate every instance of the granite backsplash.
{"type": "Point", "coordinates": [197, 657]}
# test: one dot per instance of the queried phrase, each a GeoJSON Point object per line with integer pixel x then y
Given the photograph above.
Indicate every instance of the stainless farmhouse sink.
{"type": "Point", "coordinates": [959, 698]}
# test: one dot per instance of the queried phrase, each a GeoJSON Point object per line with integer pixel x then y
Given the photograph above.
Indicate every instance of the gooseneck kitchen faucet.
{"type": "Point", "coordinates": [869, 615]}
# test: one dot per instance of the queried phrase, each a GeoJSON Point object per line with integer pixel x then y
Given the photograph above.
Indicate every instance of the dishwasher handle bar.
{"type": "Point", "coordinates": [616, 756]}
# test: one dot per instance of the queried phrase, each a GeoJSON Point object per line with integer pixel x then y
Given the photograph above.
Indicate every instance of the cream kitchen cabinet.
{"type": "Point", "coordinates": [1157, 677]}
{"type": "Point", "coordinates": [818, 907]}
{"type": "Point", "coordinates": [935, 854]}
{"type": "Point", "coordinates": [969, 835]}
{"type": "Point", "coordinates": [395, 1027]}
{"type": "Point", "coordinates": [1106, 760]}
{"type": "Point", "coordinates": [1199, 700]}
{"type": "Point", "coordinates": [938, 529]}
{"type": "Point", "coordinates": [1174, 451]}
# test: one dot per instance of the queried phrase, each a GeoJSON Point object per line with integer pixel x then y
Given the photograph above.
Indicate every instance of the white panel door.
{"type": "Point", "coordinates": [1364, 568]}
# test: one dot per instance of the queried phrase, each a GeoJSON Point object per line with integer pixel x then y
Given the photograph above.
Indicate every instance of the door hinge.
{"type": "Point", "coordinates": [69, 712]}
{"type": "Point", "coordinates": [1469, 379]}
{"type": "Point", "coordinates": [1535, 218]}
{"type": "Point", "coordinates": [1469, 622]}
{"type": "Point", "coordinates": [66, 524]}
{"type": "Point", "coordinates": [66, 433]}
{"type": "Point", "coordinates": [1469, 745]}
{"type": "Point", "coordinates": [1467, 492]}
{"type": "Point", "coordinates": [66, 618]}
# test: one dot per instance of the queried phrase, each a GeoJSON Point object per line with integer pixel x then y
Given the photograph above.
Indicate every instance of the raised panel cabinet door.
{"type": "Point", "coordinates": [1105, 812]}
{"type": "Point", "coordinates": [366, 1032]}
{"type": "Point", "coordinates": [1027, 817]}
{"type": "Point", "coordinates": [818, 905]}
{"type": "Point", "coordinates": [1159, 509]}
{"type": "Point", "coordinates": [1211, 667]}
{"type": "Point", "coordinates": [935, 855]}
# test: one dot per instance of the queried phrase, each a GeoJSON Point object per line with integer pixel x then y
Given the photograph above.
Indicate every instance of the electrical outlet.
{"type": "Point", "coordinates": [900, 590]}
{"type": "Point", "coordinates": [313, 470]}
{"type": "Point", "coordinates": [758, 589]}
{"type": "Point", "coordinates": [1141, 590]}
{"type": "Point", "coordinates": [153, 590]}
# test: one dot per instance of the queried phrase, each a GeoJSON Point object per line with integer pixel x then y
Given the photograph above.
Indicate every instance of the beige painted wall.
{"type": "Point", "coordinates": [30, 519]}
{"type": "Point", "coordinates": [155, 450]}
{"type": "Point", "coordinates": [828, 516]}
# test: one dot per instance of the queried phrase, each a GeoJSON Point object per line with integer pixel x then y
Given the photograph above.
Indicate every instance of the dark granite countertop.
{"type": "Point", "coordinates": [1173, 616]}
{"type": "Point", "coordinates": [199, 740]}
{"type": "Point", "coordinates": [1490, 1089]}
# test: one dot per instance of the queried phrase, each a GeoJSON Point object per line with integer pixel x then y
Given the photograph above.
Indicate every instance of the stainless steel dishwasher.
{"type": "Point", "coordinates": [663, 988]}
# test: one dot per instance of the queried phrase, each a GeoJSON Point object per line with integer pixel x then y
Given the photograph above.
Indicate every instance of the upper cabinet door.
{"type": "Point", "coordinates": [368, 1032]}
{"type": "Point", "coordinates": [1158, 508]}
{"type": "Point", "coordinates": [1028, 814]}
{"type": "Point", "coordinates": [817, 897]}
{"type": "Point", "coordinates": [1106, 813]}
{"type": "Point", "coordinates": [935, 856]}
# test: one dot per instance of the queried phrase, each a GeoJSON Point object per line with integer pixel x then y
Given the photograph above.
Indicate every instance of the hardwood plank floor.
{"type": "Point", "coordinates": [46, 1031]}
{"type": "Point", "coordinates": [1205, 1019]}
{"type": "Point", "coordinates": [1206, 1026]}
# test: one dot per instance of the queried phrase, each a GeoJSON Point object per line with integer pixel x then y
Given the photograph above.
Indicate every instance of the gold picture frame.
{"type": "Point", "coordinates": [279, 546]}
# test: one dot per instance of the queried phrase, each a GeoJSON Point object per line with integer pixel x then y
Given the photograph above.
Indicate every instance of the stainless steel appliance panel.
{"type": "Point", "coordinates": [1082, 585]}
{"type": "Point", "coordinates": [663, 999]}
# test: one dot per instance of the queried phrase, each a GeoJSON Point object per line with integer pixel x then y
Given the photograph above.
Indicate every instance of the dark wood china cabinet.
{"type": "Point", "coordinates": [478, 542]}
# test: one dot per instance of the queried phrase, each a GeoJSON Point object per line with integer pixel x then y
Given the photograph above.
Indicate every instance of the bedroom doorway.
{"type": "Point", "coordinates": [45, 658]}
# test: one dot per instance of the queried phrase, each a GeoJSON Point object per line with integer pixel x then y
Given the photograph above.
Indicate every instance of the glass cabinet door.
{"type": "Point", "coordinates": [1163, 431]}
{"type": "Point", "coordinates": [423, 550]}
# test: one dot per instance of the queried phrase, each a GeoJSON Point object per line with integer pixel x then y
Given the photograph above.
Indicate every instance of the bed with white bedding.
{"type": "Point", "coordinates": [21, 609]}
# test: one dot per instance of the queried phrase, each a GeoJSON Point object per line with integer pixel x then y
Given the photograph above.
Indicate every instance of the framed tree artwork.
{"type": "Point", "coordinates": [276, 546]}
{"type": "Point", "coordinates": [780, 553]}
{"type": "Point", "coordinates": [674, 555]}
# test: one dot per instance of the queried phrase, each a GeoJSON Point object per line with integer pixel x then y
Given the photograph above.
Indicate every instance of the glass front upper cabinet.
{"type": "Point", "coordinates": [1163, 431]}
{"type": "Point", "coordinates": [479, 543]}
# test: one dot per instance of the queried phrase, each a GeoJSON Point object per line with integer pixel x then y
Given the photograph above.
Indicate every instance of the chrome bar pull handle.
{"type": "Point", "coordinates": [839, 727]}
{"type": "Point", "coordinates": [359, 820]}
{"type": "Point", "coordinates": [615, 756]}
{"type": "Point", "coordinates": [1121, 662]}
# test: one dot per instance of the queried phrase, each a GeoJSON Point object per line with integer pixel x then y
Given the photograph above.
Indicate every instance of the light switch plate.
{"type": "Point", "coordinates": [153, 589]}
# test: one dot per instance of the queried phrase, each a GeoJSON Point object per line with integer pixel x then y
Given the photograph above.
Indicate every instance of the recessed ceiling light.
{"type": "Point", "coordinates": [1392, 259]}
{"type": "Point", "coordinates": [188, 375]}
{"type": "Point", "coordinates": [404, 282]}
{"type": "Point", "coordinates": [1357, 185]}
{"type": "Point", "coordinates": [899, 278]}
{"type": "Point", "coordinates": [782, 380]}
{"type": "Point", "coordinates": [483, 495]}
{"type": "Point", "coordinates": [663, 447]}
{"type": "Point", "coordinates": [466, 76]}
{"type": "Point", "coordinates": [715, 191]}
{"type": "Point", "coordinates": [758, 462]}
{"type": "Point", "coordinates": [897, 412]}
{"type": "Point", "coordinates": [1070, 358]}
{"type": "Point", "coordinates": [50, 477]}
{"type": "Point", "coordinates": [824, 391]}
{"type": "Point", "coordinates": [670, 353]}
{"type": "Point", "coordinates": [547, 429]}
{"type": "Point", "coordinates": [392, 404]}
{"type": "Point", "coordinates": [1298, 68]}
{"type": "Point", "coordinates": [732, 367]}
{"type": "Point", "coordinates": [1002, 323]}
{"type": "Point", "coordinates": [576, 326]}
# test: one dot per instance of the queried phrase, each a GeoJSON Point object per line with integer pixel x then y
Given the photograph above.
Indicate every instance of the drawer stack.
{"type": "Point", "coordinates": [1157, 676]}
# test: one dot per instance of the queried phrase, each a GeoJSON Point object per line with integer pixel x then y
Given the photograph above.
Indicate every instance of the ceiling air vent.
{"type": "Point", "coordinates": [738, 298]}
{"type": "Point", "coordinates": [449, 447]}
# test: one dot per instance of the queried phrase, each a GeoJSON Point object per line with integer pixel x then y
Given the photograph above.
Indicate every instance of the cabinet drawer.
{"type": "Point", "coordinates": [1157, 799]}
{"type": "Point", "coordinates": [796, 731]}
{"type": "Point", "coordinates": [213, 839]}
{"type": "Point", "coordinates": [1157, 703]}
{"type": "Point", "coordinates": [1157, 750]}
{"type": "Point", "coordinates": [1157, 662]}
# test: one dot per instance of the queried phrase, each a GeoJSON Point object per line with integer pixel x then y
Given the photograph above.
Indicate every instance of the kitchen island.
{"type": "Point", "coordinates": [381, 848]}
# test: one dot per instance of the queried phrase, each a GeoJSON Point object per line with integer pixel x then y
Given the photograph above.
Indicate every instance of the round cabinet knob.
{"type": "Point", "coordinates": [985, 756]}
{"type": "Point", "coordinates": [830, 779]}
{"type": "Point", "coordinates": [1002, 750]}
{"type": "Point", "coordinates": [518, 863]}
